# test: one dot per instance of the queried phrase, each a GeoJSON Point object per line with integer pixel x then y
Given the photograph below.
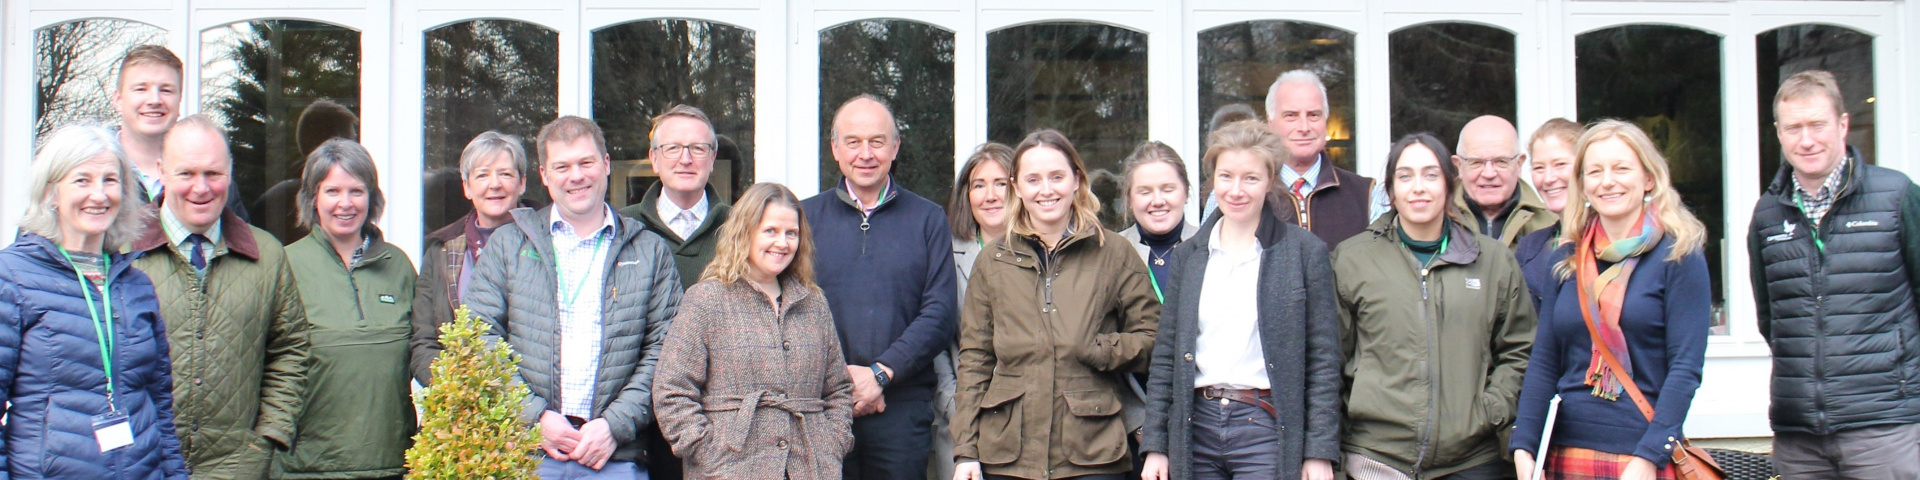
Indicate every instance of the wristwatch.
{"type": "Point", "coordinates": [880, 376]}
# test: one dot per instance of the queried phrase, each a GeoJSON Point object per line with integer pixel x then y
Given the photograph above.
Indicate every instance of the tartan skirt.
{"type": "Point", "coordinates": [1573, 463]}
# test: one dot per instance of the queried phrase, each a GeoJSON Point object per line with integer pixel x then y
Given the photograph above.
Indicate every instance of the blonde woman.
{"type": "Point", "coordinates": [751, 383]}
{"type": "Point", "coordinates": [1633, 277]}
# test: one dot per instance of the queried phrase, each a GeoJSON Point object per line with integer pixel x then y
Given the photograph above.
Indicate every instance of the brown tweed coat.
{"type": "Point", "coordinates": [744, 392]}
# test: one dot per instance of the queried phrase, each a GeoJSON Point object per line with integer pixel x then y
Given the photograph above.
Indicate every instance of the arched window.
{"type": "Point", "coordinates": [643, 68]}
{"type": "Point", "coordinates": [1446, 74]}
{"type": "Point", "coordinates": [1847, 53]}
{"type": "Point", "coordinates": [1087, 80]}
{"type": "Point", "coordinates": [1239, 63]}
{"type": "Point", "coordinates": [483, 75]}
{"type": "Point", "coordinates": [258, 78]}
{"type": "Point", "coordinates": [910, 64]}
{"type": "Point", "coordinates": [1667, 80]}
{"type": "Point", "coordinates": [76, 67]}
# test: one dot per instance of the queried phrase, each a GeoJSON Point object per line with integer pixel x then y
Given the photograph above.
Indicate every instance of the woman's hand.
{"type": "Point", "coordinates": [1316, 469]}
{"type": "Point", "coordinates": [1522, 465]}
{"type": "Point", "coordinates": [1155, 467]}
{"type": "Point", "coordinates": [1638, 469]}
{"type": "Point", "coordinates": [968, 471]}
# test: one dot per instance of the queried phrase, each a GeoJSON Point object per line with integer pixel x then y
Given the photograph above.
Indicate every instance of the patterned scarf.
{"type": "Point", "coordinates": [1602, 293]}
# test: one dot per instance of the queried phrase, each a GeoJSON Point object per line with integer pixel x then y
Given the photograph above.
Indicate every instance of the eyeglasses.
{"type": "Point", "coordinates": [674, 150]}
{"type": "Point", "coordinates": [1498, 163]}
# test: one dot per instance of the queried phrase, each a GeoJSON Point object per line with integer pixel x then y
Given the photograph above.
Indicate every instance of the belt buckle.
{"type": "Point", "coordinates": [1207, 394]}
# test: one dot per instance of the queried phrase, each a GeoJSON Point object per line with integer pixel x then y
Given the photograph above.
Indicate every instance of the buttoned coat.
{"type": "Point", "coordinates": [1044, 355]}
{"type": "Point", "coordinates": [1299, 325]}
{"type": "Point", "coordinates": [746, 392]}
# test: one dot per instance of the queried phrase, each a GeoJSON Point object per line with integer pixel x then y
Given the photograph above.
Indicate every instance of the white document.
{"type": "Point", "coordinates": [1546, 438]}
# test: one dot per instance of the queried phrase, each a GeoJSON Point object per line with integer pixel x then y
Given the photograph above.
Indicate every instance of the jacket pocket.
{"type": "Point", "coordinates": [1094, 433]}
{"type": "Point", "coordinates": [999, 423]}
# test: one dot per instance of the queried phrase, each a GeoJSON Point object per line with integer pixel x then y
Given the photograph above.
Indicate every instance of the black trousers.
{"type": "Point", "coordinates": [661, 463]}
{"type": "Point", "coordinates": [1102, 476]}
{"type": "Point", "coordinates": [892, 444]}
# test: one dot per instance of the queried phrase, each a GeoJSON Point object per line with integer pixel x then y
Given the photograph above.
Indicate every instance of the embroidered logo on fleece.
{"type": "Point", "coordinates": [1788, 235]}
{"type": "Point", "coordinates": [388, 299]}
{"type": "Point", "coordinates": [1473, 283]}
{"type": "Point", "coordinates": [530, 253]}
{"type": "Point", "coordinates": [1863, 223]}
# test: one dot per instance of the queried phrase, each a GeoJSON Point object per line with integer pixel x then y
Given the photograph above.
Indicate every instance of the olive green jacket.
{"type": "Point", "coordinates": [690, 255]}
{"type": "Point", "coordinates": [1529, 215]}
{"type": "Point", "coordinates": [359, 417]}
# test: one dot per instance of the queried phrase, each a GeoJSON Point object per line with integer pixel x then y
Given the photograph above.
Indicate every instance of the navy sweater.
{"type": "Point", "coordinates": [1537, 259]}
{"type": "Point", "coordinates": [889, 284]}
{"type": "Point", "coordinates": [1667, 312]}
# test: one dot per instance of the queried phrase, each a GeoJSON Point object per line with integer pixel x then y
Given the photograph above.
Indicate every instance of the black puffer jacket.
{"type": "Point", "coordinates": [1839, 312]}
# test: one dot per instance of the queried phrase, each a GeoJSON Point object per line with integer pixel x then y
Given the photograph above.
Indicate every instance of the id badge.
{"type": "Point", "coordinates": [112, 430]}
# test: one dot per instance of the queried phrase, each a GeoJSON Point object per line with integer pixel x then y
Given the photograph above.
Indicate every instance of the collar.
{"type": "Point", "coordinates": [1288, 175]}
{"type": "Point", "coordinates": [1832, 183]}
{"type": "Point", "coordinates": [887, 192]}
{"type": "Point", "coordinates": [1216, 248]}
{"type": "Point", "coordinates": [560, 226]}
{"type": "Point", "coordinates": [177, 232]}
{"type": "Point", "coordinates": [668, 210]}
{"type": "Point", "coordinates": [1161, 239]}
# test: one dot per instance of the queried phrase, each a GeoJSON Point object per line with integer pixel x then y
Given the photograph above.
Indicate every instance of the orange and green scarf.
{"type": "Point", "coordinates": [1603, 292]}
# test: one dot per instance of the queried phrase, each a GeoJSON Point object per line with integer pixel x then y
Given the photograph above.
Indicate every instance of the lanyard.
{"type": "Point", "coordinates": [598, 238]}
{"type": "Point", "coordinates": [1797, 202]}
{"type": "Point", "coordinates": [102, 330]}
{"type": "Point", "coordinates": [1156, 285]}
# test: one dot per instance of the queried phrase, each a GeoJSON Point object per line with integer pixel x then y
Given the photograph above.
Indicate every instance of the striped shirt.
{"type": "Point", "coordinates": [580, 263]}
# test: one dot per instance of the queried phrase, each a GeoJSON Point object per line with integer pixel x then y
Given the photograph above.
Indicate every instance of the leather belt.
{"type": "Point", "coordinates": [1246, 396]}
{"type": "Point", "coordinates": [576, 421]}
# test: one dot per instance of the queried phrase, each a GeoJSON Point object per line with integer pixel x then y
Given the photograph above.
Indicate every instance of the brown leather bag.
{"type": "Point", "coordinates": [1689, 462]}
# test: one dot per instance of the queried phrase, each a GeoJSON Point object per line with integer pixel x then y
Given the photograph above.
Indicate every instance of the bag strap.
{"type": "Point", "coordinates": [1606, 353]}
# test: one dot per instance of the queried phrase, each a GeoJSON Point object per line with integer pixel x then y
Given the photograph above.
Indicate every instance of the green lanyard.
{"type": "Point", "coordinates": [102, 330]}
{"type": "Point", "coordinates": [1817, 243]}
{"type": "Point", "coordinates": [1156, 285]}
{"type": "Point", "coordinates": [582, 284]}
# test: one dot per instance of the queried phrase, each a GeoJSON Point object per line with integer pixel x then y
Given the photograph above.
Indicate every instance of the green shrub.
{"type": "Point", "coordinates": [470, 424]}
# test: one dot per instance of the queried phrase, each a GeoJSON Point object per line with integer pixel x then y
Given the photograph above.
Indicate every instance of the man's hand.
{"type": "Point", "coordinates": [596, 444]}
{"type": "Point", "coordinates": [1155, 467]}
{"type": "Point", "coordinates": [866, 392]}
{"type": "Point", "coordinates": [557, 436]}
{"type": "Point", "coordinates": [1316, 469]}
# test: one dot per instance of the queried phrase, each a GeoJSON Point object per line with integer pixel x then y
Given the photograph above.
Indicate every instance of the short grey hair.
{"type": "Point", "coordinates": [489, 144]}
{"type": "Point", "coordinates": [61, 152]}
{"type": "Point", "coordinates": [352, 157]}
{"type": "Point", "coordinates": [1298, 76]}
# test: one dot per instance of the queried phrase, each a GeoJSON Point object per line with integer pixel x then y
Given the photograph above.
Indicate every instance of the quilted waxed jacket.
{"type": "Point", "coordinates": [51, 371]}
{"type": "Point", "coordinates": [514, 288]}
{"type": "Point", "coordinates": [240, 346]}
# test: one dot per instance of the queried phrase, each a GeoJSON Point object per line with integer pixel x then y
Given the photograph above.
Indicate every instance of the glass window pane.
{"type": "Point", "coordinates": [257, 78]}
{"type": "Point", "coordinates": [1089, 81]}
{"type": "Point", "coordinates": [910, 64]}
{"type": "Point", "coordinates": [484, 75]}
{"type": "Point", "coordinates": [643, 68]}
{"type": "Point", "coordinates": [76, 67]}
{"type": "Point", "coordinates": [1666, 80]}
{"type": "Point", "coordinates": [1238, 62]}
{"type": "Point", "coordinates": [1793, 49]}
{"type": "Point", "coordinates": [1446, 74]}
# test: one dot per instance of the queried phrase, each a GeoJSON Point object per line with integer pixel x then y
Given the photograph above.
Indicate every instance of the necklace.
{"type": "Point", "coordinates": [1159, 259]}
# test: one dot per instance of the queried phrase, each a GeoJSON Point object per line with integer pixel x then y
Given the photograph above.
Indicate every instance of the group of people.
{"type": "Point", "coordinates": [1312, 323]}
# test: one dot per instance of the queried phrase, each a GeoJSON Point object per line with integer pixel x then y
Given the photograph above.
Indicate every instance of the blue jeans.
{"type": "Point", "coordinates": [1233, 441]}
{"type": "Point", "coordinates": [551, 469]}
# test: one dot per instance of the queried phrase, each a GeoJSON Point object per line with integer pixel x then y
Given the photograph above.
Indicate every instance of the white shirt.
{"type": "Point", "coordinates": [670, 212]}
{"type": "Point", "coordinates": [580, 264]}
{"type": "Point", "coordinates": [1228, 353]}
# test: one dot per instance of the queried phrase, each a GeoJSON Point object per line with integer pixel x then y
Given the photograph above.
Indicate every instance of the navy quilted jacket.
{"type": "Point", "coordinates": [51, 374]}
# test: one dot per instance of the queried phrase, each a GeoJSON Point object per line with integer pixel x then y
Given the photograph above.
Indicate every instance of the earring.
{"type": "Point", "coordinates": [1648, 198]}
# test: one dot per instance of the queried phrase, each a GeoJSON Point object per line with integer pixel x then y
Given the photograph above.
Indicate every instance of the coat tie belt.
{"type": "Point", "coordinates": [733, 433]}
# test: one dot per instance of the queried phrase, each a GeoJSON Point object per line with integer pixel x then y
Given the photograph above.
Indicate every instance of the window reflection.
{"type": "Point", "coordinates": [1446, 74]}
{"type": "Point", "coordinates": [910, 64]}
{"type": "Point", "coordinates": [258, 77]}
{"type": "Point", "coordinates": [1086, 80]}
{"type": "Point", "coordinates": [642, 68]}
{"type": "Point", "coordinates": [1793, 49]}
{"type": "Point", "coordinates": [1238, 62]}
{"type": "Point", "coordinates": [1666, 80]}
{"type": "Point", "coordinates": [76, 67]}
{"type": "Point", "coordinates": [484, 75]}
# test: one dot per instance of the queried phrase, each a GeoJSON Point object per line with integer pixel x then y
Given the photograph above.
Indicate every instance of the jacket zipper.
{"type": "Point", "coordinates": [1433, 394]}
{"type": "Point", "coordinates": [1818, 280]}
{"type": "Point", "coordinates": [864, 226]}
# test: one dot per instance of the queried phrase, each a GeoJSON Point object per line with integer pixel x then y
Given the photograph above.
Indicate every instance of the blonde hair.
{"type": "Point", "coordinates": [735, 244]}
{"type": "Point", "coordinates": [1556, 127]}
{"type": "Point", "coordinates": [1688, 234]}
{"type": "Point", "coordinates": [1810, 82]}
{"type": "Point", "coordinates": [1251, 136]}
{"type": "Point", "coordinates": [1086, 207]}
{"type": "Point", "coordinates": [59, 154]}
{"type": "Point", "coordinates": [147, 55]}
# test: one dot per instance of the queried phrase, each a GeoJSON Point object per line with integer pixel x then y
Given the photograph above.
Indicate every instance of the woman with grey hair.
{"type": "Point", "coordinates": [358, 292]}
{"type": "Point", "coordinates": [84, 367]}
{"type": "Point", "coordinates": [493, 172]}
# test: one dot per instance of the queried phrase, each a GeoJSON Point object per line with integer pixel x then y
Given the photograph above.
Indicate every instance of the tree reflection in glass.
{"type": "Point", "coordinates": [643, 68]}
{"type": "Point", "coordinates": [484, 75]}
{"type": "Point", "coordinates": [1446, 74]}
{"type": "Point", "coordinates": [910, 64]}
{"type": "Point", "coordinates": [1846, 53]}
{"type": "Point", "coordinates": [258, 77]}
{"type": "Point", "coordinates": [1089, 81]}
{"type": "Point", "coordinates": [1666, 80]}
{"type": "Point", "coordinates": [76, 67]}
